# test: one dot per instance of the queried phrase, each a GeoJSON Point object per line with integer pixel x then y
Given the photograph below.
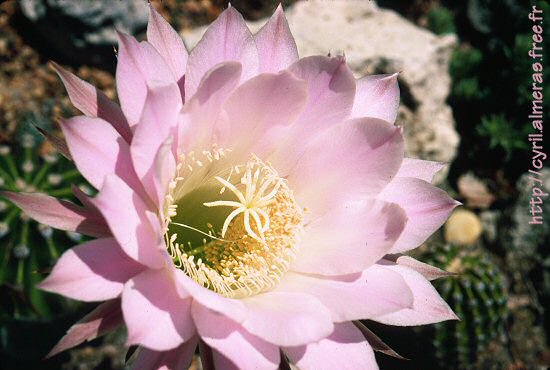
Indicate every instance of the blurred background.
{"type": "Point", "coordinates": [465, 80]}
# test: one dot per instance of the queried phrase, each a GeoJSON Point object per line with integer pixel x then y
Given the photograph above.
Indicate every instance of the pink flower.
{"type": "Point", "coordinates": [249, 201]}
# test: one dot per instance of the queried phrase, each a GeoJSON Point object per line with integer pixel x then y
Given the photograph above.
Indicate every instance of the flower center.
{"type": "Point", "coordinates": [231, 228]}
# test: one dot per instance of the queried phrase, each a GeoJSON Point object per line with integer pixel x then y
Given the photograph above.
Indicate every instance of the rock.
{"type": "Point", "coordinates": [521, 239]}
{"type": "Point", "coordinates": [375, 40]}
{"type": "Point", "coordinates": [528, 263]}
{"type": "Point", "coordinates": [71, 27]}
{"type": "Point", "coordinates": [463, 227]}
{"type": "Point", "coordinates": [475, 191]}
{"type": "Point", "coordinates": [489, 222]}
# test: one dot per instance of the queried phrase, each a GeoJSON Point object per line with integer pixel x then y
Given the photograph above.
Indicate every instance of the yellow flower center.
{"type": "Point", "coordinates": [231, 228]}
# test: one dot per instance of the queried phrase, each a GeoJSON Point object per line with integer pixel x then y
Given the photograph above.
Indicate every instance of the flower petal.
{"type": "Point", "coordinates": [376, 343]}
{"type": "Point", "coordinates": [420, 169]}
{"type": "Point", "coordinates": [373, 292]}
{"type": "Point", "coordinates": [428, 271]}
{"type": "Point", "coordinates": [232, 308]}
{"type": "Point", "coordinates": [331, 90]}
{"type": "Point", "coordinates": [93, 271]}
{"type": "Point", "coordinates": [428, 307]}
{"type": "Point", "coordinates": [157, 123]}
{"type": "Point", "coordinates": [156, 316]}
{"type": "Point", "coordinates": [349, 161]}
{"type": "Point", "coordinates": [203, 109]}
{"type": "Point", "coordinates": [276, 317]}
{"type": "Point", "coordinates": [60, 214]}
{"type": "Point", "coordinates": [226, 39]}
{"type": "Point", "coordinates": [164, 168]}
{"type": "Point", "coordinates": [276, 46]}
{"type": "Point", "coordinates": [426, 206]}
{"type": "Point", "coordinates": [287, 319]}
{"type": "Point", "coordinates": [230, 339]}
{"type": "Point", "coordinates": [350, 238]}
{"type": "Point", "coordinates": [346, 349]}
{"type": "Point", "coordinates": [377, 96]}
{"type": "Point", "coordinates": [175, 359]}
{"type": "Point", "coordinates": [258, 107]}
{"type": "Point", "coordinates": [92, 102]}
{"type": "Point", "coordinates": [104, 318]}
{"type": "Point", "coordinates": [98, 150]}
{"type": "Point", "coordinates": [219, 361]}
{"type": "Point", "coordinates": [169, 45]}
{"type": "Point", "coordinates": [126, 215]}
{"type": "Point", "coordinates": [139, 64]}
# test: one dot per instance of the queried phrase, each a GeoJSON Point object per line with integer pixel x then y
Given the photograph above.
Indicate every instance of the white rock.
{"type": "Point", "coordinates": [376, 40]}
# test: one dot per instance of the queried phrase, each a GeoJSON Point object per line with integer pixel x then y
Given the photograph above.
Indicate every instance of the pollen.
{"type": "Point", "coordinates": [233, 229]}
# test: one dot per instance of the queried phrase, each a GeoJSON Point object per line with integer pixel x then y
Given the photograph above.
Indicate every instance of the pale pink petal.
{"type": "Point", "coordinates": [276, 47]}
{"type": "Point", "coordinates": [157, 123]}
{"type": "Point", "coordinates": [330, 93]}
{"type": "Point", "coordinates": [345, 349]}
{"type": "Point", "coordinates": [164, 168]}
{"type": "Point", "coordinates": [126, 215]}
{"type": "Point", "coordinates": [169, 45]}
{"type": "Point", "coordinates": [226, 39]}
{"type": "Point", "coordinates": [232, 308]}
{"type": "Point", "coordinates": [426, 206]}
{"type": "Point", "coordinates": [175, 359]}
{"type": "Point", "coordinates": [421, 169]}
{"type": "Point", "coordinates": [203, 109]}
{"type": "Point", "coordinates": [377, 96]}
{"type": "Point", "coordinates": [350, 238]}
{"type": "Point", "coordinates": [93, 271]}
{"type": "Point", "coordinates": [92, 102]}
{"type": "Point", "coordinates": [373, 292]}
{"type": "Point", "coordinates": [275, 317]}
{"type": "Point", "coordinates": [355, 159]}
{"type": "Point", "coordinates": [258, 107]}
{"type": "Point", "coordinates": [139, 64]}
{"type": "Point", "coordinates": [155, 315]}
{"type": "Point", "coordinates": [104, 318]}
{"type": "Point", "coordinates": [60, 214]}
{"type": "Point", "coordinates": [428, 271]}
{"type": "Point", "coordinates": [287, 319]}
{"type": "Point", "coordinates": [245, 350]}
{"type": "Point", "coordinates": [98, 150]}
{"type": "Point", "coordinates": [331, 90]}
{"type": "Point", "coordinates": [428, 306]}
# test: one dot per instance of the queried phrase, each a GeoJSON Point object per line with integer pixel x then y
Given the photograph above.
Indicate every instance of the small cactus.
{"type": "Point", "coordinates": [477, 295]}
{"type": "Point", "coordinates": [27, 247]}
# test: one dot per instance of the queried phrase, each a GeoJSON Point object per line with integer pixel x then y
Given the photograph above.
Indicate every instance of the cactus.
{"type": "Point", "coordinates": [477, 295]}
{"type": "Point", "coordinates": [27, 248]}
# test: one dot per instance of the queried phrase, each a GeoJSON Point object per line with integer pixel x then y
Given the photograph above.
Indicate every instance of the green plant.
{"type": "Point", "coordinates": [441, 20]}
{"type": "Point", "coordinates": [501, 133]}
{"type": "Point", "coordinates": [28, 248]}
{"type": "Point", "coordinates": [477, 295]}
{"type": "Point", "coordinates": [491, 75]}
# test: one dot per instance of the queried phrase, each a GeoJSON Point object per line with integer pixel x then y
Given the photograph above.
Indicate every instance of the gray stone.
{"type": "Point", "coordinates": [522, 237]}
{"type": "Point", "coordinates": [84, 31]}
{"type": "Point", "coordinates": [376, 40]}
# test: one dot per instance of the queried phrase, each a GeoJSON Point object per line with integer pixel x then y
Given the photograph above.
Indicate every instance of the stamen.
{"type": "Point", "coordinates": [242, 255]}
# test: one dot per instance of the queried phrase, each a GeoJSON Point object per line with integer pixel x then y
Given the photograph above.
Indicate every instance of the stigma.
{"type": "Point", "coordinates": [233, 229]}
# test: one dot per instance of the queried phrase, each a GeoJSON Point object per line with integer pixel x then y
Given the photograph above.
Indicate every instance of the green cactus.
{"type": "Point", "coordinates": [27, 248]}
{"type": "Point", "coordinates": [477, 295]}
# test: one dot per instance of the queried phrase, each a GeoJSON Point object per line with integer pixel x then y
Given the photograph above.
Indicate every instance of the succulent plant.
{"type": "Point", "coordinates": [477, 295]}
{"type": "Point", "coordinates": [27, 247]}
